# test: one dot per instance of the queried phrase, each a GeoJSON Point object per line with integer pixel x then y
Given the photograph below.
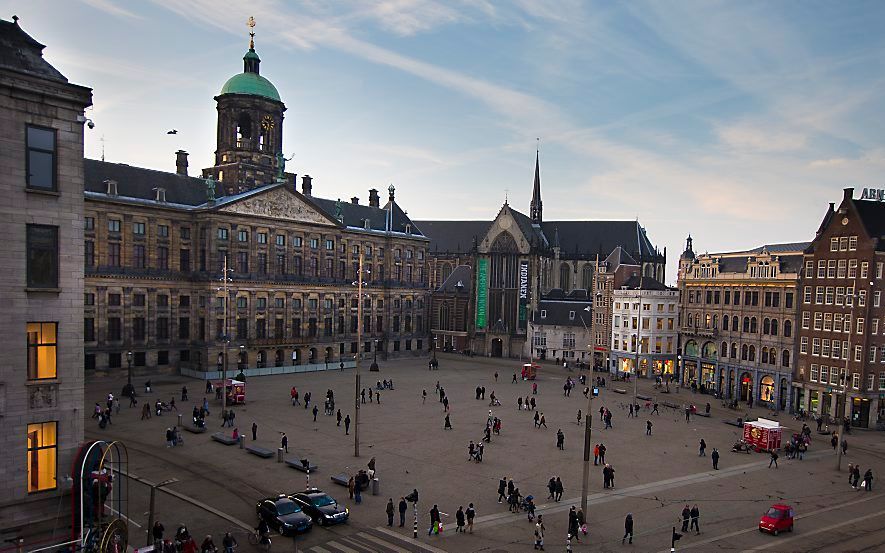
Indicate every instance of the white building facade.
{"type": "Point", "coordinates": [645, 329]}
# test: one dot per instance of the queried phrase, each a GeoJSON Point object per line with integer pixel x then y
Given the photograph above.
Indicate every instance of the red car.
{"type": "Point", "coordinates": [779, 518]}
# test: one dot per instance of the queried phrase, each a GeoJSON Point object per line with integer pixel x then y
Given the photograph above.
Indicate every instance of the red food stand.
{"type": "Point", "coordinates": [530, 370]}
{"type": "Point", "coordinates": [763, 434]}
{"type": "Point", "coordinates": [235, 390]}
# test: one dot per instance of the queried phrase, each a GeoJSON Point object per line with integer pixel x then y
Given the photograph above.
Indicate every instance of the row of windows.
{"type": "Point", "coordinates": [619, 342]}
{"type": "Point", "coordinates": [747, 352]}
{"type": "Point", "coordinates": [661, 307]}
{"type": "Point", "coordinates": [838, 295]}
{"type": "Point", "coordinates": [834, 349]}
{"type": "Point", "coordinates": [843, 243]}
{"type": "Point", "coordinates": [833, 376]}
{"type": "Point", "coordinates": [661, 323]}
{"type": "Point", "coordinates": [735, 297]}
{"type": "Point", "coordinates": [840, 268]}
{"type": "Point", "coordinates": [837, 322]}
{"type": "Point", "coordinates": [770, 326]}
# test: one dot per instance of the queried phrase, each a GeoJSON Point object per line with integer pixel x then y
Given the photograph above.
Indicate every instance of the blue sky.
{"type": "Point", "coordinates": [736, 122]}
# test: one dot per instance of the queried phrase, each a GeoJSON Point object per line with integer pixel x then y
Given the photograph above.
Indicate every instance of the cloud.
{"type": "Point", "coordinates": [758, 138]}
{"type": "Point", "coordinates": [111, 8]}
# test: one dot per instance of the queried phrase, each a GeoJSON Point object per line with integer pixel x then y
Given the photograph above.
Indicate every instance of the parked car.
{"type": "Point", "coordinates": [283, 515]}
{"type": "Point", "coordinates": [321, 507]}
{"type": "Point", "coordinates": [777, 519]}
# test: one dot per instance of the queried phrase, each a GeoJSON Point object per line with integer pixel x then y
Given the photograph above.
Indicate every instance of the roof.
{"type": "Point", "coordinates": [20, 52]}
{"type": "Point", "coordinates": [619, 257]}
{"type": "Point", "coordinates": [252, 84]}
{"type": "Point", "coordinates": [557, 312]}
{"type": "Point", "coordinates": [778, 248]}
{"type": "Point", "coordinates": [636, 282]}
{"type": "Point", "coordinates": [454, 236]}
{"type": "Point", "coordinates": [355, 215]}
{"type": "Point", "coordinates": [138, 182]}
{"type": "Point", "coordinates": [872, 215]}
{"type": "Point", "coordinates": [586, 239]}
{"type": "Point", "coordinates": [463, 275]}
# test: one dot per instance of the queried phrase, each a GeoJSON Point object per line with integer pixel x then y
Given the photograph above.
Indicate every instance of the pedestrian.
{"type": "Point", "coordinates": [502, 487]}
{"type": "Point", "coordinates": [596, 454]}
{"type": "Point", "coordinates": [157, 533]}
{"type": "Point", "coordinates": [347, 425]}
{"type": "Point", "coordinates": [534, 389]}
{"type": "Point", "coordinates": [389, 512]}
{"type": "Point", "coordinates": [496, 376]}
{"type": "Point", "coordinates": [543, 422]}
{"type": "Point", "coordinates": [228, 542]}
{"type": "Point", "coordinates": [834, 441]}
{"type": "Point", "coordinates": [559, 489]}
{"type": "Point", "coordinates": [224, 418]}
{"type": "Point", "coordinates": [655, 409]}
{"type": "Point", "coordinates": [702, 448]}
{"type": "Point", "coordinates": [184, 393]}
{"type": "Point", "coordinates": [284, 442]}
{"type": "Point", "coordinates": [533, 403]}
{"type": "Point", "coordinates": [307, 399]}
{"type": "Point", "coordinates": [551, 487]}
{"type": "Point", "coordinates": [351, 487]}
{"type": "Point", "coordinates": [471, 514]}
{"type": "Point", "coordinates": [377, 397]}
{"type": "Point", "coordinates": [695, 519]}
{"type": "Point", "coordinates": [773, 459]}
{"type": "Point", "coordinates": [579, 417]}
{"type": "Point", "coordinates": [582, 521]}
{"type": "Point", "coordinates": [423, 396]}
{"type": "Point", "coordinates": [868, 480]}
{"type": "Point", "coordinates": [537, 418]}
{"type": "Point", "coordinates": [686, 517]}
{"type": "Point", "coordinates": [402, 511]}
{"type": "Point", "coordinates": [514, 379]}
{"type": "Point", "coordinates": [630, 414]}
{"type": "Point", "coordinates": [254, 431]}
{"type": "Point", "coordinates": [573, 522]}
{"type": "Point", "coordinates": [435, 521]}
{"type": "Point", "coordinates": [715, 457]}
{"type": "Point", "coordinates": [338, 417]}
{"type": "Point", "coordinates": [648, 428]}
{"type": "Point", "coordinates": [628, 528]}
{"type": "Point", "coordinates": [362, 395]}
{"type": "Point", "coordinates": [602, 414]}
{"type": "Point", "coordinates": [445, 403]}
{"type": "Point", "coordinates": [687, 414]}
{"type": "Point", "coordinates": [844, 446]}
{"type": "Point", "coordinates": [315, 411]}
{"type": "Point", "coordinates": [459, 514]}
{"type": "Point", "coordinates": [560, 440]}
{"type": "Point", "coordinates": [855, 477]}
{"type": "Point", "coordinates": [539, 533]}
{"type": "Point", "coordinates": [448, 425]}
{"type": "Point", "coordinates": [602, 450]}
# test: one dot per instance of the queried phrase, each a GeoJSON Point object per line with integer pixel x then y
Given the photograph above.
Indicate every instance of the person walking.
{"type": "Point", "coordinates": [630, 414]}
{"type": "Point", "coordinates": [347, 425]}
{"type": "Point", "coordinates": [228, 542]}
{"type": "Point", "coordinates": [551, 487]}
{"type": "Point", "coordinates": [471, 514]}
{"type": "Point", "coordinates": [284, 442]}
{"type": "Point", "coordinates": [579, 417]}
{"type": "Point", "coordinates": [560, 440]}
{"type": "Point", "coordinates": [448, 425]}
{"type": "Point", "coordinates": [655, 409]}
{"type": "Point", "coordinates": [573, 522]}
{"type": "Point", "coordinates": [543, 422]}
{"type": "Point", "coordinates": [855, 476]}
{"type": "Point", "coordinates": [686, 517]}
{"type": "Point", "coordinates": [702, 448]}
{"type": "Point", "coordinates": [559, 489]}
{"type": "Point", "coordinates": [867, 480]}
{"type": "Point", "coordinates": [254, 431]}
{"type": "Point", "coordinates": [695, 520]}
{"type": "Point", "coordinates": [648, 428]}
{"type": "Point", "coordinates": [844, 446]}
{"type": "Point", "coordinates": [459, 514]}
{"type": "Point", "coordinates": [402, 511]}
{"type": "Point", "coordinates": [184, 393]}
{"type": "Point", "coordinates": [834, 441]}
{"type": "Point", "coordinates": [502, 488]}
{"type": "Point", "coordinates": [338, 417]}
{"type": "Point", "coordinates": [315, 411]}
{"type": "Point", "coordinates": [537, 419]}
{"type": "Point", "coordinates": [351, 487]}
{"type": "Point", "coordinates": [602, 453]}
{"type": "Point", "coordinates": [628, 528]}
{"type": "Point", "coordinates": [532, 403]}
{"type": "Point", "coordinates": [157, 533]}
{"type": "Point", "coordinates": [389, 511]}
{"type": "Point", "coordinates": [773, 459]}
{"type": "Point", "coordinates": [715, 457]}
{"type": "Point", "coordinates": [434, 521]}
{"type": "Point", "coordinates": [539, 533]}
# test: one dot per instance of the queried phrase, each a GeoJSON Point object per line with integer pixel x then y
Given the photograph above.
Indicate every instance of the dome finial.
{"type": "Point", "coordinates": [251, 24]}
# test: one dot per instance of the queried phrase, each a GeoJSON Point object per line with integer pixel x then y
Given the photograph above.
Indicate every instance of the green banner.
{"type": "Point", "coordinates": [482, 292]}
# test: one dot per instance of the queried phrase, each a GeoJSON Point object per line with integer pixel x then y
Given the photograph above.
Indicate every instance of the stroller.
{"type": "Point", "coordinates": [528, 505]}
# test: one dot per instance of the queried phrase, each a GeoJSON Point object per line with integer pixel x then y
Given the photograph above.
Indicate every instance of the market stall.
{"type": "Point", "coordinates": [235, 390]}
{"type": "Point", "coordinates": [763, 434]}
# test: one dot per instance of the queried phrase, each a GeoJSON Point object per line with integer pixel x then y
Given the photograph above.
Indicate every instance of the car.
{"type": "Point", "coordinates": [777, 519]}
{"type": "Point", "coordinates": [283, 515]}
{"type": "Point", "coordinates": [321, 507]}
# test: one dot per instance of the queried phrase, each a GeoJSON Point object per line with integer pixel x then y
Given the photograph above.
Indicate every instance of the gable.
{"type": "Point", "coordinates": [504, 231]}
{"type": "Point", "coordinates": [281, 204]}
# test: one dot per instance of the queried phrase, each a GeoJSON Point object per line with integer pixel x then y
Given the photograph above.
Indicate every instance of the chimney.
{"type": "Point", "coordinates": [374, 200]}
{"type": "Point", "coordinates": [306, 187]}
{"type": "Point", "coordinates": [181, 162]}
{"type": "Point", "coordinates": [355, 200]}
{"type": "Point", "coordinates": [849, 194]}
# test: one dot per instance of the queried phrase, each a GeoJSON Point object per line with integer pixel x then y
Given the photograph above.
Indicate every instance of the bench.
{"type": "Point", "coordinates": [733, 422]}
{"type": "Point", "coordinates": [195, 429]}
{"type": "Point", "coordinates": [295, 463]}
{"type": "Point", "coordinates": [341, 479]}
{"type": "Point", "coordinates": [644, 398]}
{"type": "Point", "coordinates": [671, 405]}
{"type": "Point", "coordinates": [262, 452]}
{"type": "Point", "coordinates": [619, 390]}
{"type": "Point", "coordinates": [702, 414]}
{"type": "Point", "coordinates": [223, 438]}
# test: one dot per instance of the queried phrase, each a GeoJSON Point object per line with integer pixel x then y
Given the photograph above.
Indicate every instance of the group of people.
{"type": "Point", "coordinates": [183, 542]}
{"type": "Point", "coordinates": [854, 477]}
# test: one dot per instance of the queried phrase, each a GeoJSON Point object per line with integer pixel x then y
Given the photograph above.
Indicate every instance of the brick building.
{"type": "Point", "coordinates": [156, 244]}
{"type": "Point", "coordinates": [841, 369]}
{"type": "Point", "coordinates": [41, 371]}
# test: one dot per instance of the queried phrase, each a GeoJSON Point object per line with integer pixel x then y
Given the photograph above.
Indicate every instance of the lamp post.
{"type": "Point", "coordinates": [242, 363]}
{"type": "Point", "coordinates": [434, 349]}
{"type": "Point", "coordinates": [359, 337]}
{"type": "Point", "coordinates": [588, 420]}
{"type": "Point", "coordinates": [154, 487]}
{"type": "Point", "coordinates": [226, 337]}
{"type": "Point", "coordinates": [129, 369]}
{"type": "Point", "coordinates": [844, 376]}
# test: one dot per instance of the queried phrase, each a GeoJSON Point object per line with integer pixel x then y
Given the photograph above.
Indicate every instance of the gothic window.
{"type": "Point", "coordinates": [774, 327]}
{"type": "Point", "coordinates": [505, 243]}
{"type": "Point", "coordinates": [587, 277]}
{"type": "Point", "coordinates": [788, 329]}
{"type": "Point", "coordinates": [753, 326]}
{"type": "Point", "coordinates": [244, 129]}
{"type": "Point", "coordinates": [734, 350]}
{"type": "Point", "coordinates": [564, 272]}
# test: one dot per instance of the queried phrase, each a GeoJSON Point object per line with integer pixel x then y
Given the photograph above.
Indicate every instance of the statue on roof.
{"type": "Point", "coordinates": [210, 188]}
{"type": "Point", "coordinates": [339, 216]}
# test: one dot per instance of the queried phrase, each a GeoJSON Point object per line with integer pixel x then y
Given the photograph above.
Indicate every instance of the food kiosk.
{"type": "Point", "coordinates": [235, 390]}
{"type": "Point", "coordinates": [530, 370]}
{"type": "Point", "coordinates": [763, 434]}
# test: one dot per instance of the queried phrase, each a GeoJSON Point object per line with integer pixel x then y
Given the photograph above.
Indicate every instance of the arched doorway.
{"type": "Point", "coordinates": [296, 357]}
{"type": "Point", "coordinates": [312, 358]}
{"type": "Point", "coordinates": [329, 355]}
{"type": "Point", "coordinates": [279, 357]}
{"type": "Point", "coordinates": [243, 359]}
{"type": "Point", "coordinates": [746, 386]}
{"type": "Point", "coordinates": [497, 347]}
{"type": "Point", "coordinates": [766, 389]}
{"type": "Point", "coordinates": [730, 392]}
{"type": "Point", "coordinates": [262, 359]}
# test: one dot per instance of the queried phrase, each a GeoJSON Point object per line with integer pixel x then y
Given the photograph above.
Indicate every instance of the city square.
{"type": "Point", "coordinates": [655, 475]}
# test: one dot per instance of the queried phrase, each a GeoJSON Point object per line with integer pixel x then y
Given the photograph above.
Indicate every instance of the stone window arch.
{"type": "Point", "coordinates": [564, 276]}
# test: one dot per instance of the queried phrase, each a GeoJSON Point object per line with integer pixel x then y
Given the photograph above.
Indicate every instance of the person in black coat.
{"type": "Point", "coordinates": [402, 511]}
{"type": "Point", "coordinates": [628, 528]}
{"type": "Point", "coordinates": [459, 519]}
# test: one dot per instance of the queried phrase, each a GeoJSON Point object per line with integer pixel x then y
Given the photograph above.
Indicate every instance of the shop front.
{"type": "Point", "coordinates": [708, 376]}
{"type": "Point", "coordinates": [766, 389]}
{"type": "Point", "coordinates": [814, 402]}
{"type": "Point", "coordinates": [860, 412]}
{"type": "Point", "coordinates": [663, 367]}
{"type": "Point", "coordinates": [690, 372]}
{"type": "Point", "coordinates": [746, 392]}
{"type": "Point", "coordinates": [826, 400]}
{"type": "Point", "coordinates": [626, 365]}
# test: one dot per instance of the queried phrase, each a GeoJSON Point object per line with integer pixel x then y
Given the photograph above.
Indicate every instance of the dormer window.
{"type": "Point", "coordinates": [543, 313]}
{"type": "Point", "coordinates": [571, 315]}
{"type": "Point", "coordinates": [160, 194]}
{"type": "Point", "coordinates": [408, 229]}
{"type": "Point", "coordinates": [111, 187]}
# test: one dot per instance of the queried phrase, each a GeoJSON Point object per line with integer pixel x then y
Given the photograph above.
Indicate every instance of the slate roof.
{"type": "Point", "coordinates": [619, 257]}
{"type": "Point", "coordinates": [453, 236]}
{"type": "Point", "coordinates": [872, 215]}
{"type": "Point", "coordinates": [354, 215]}
{"type": "Point", "coordinates": [588, 238]}
{"type": "Point", "coordinates": [636, 282]}
{"type": "Point", "coordinates": [785, 247]}
{"type": "Point", "coordinates": [20, 52]}
{"type": "Point", "coordinates": [558, 312]}
{"type": "Point", "coordinates": [462, 274]}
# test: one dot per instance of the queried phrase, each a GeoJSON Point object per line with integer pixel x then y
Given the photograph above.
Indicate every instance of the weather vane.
{"type": "Point", "coordinates": [251, 24]}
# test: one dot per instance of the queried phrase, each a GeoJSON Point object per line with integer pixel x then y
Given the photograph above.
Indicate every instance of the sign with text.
{"type": "Point", "coordinates": [877, 194]}
{"type": "Point", "coordinates": [523, 293]}
{"type": "Point", "coordinates": [482, 292]}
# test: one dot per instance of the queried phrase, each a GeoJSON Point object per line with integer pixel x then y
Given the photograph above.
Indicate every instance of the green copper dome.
{"type": "Point", "coordinates": [252, 84]}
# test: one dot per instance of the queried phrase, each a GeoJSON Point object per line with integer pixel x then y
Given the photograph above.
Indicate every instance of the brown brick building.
{"type": "Point", "coordinates": [41, 370]}
{"type": "Point", "coordinates": [841, 369]}
{"type": "Point", "coordinates": [156, 243]}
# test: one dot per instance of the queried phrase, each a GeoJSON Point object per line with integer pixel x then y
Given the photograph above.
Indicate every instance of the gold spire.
{"type": "Point", "coordinates": [251, 24]}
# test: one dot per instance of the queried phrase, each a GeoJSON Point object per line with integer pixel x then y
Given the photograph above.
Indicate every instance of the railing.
{"type": "Point", "coordinates": [268, 371]}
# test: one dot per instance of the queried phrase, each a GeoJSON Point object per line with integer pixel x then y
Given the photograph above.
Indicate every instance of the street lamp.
{"type": "Point", "coordinates": [435, 345]}
{"type": "Point", "coordinates": [242, 357]}
{"type": "Point", "coordinates": [129, 364]}
{"type": "Point", "coordinates": [154, 488]}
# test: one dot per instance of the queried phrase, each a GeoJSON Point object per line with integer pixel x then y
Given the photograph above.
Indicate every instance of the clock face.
{"type": "Point", "coordinates": [844, 221]}
{"type": "Point", "coordinates": [267, 123]}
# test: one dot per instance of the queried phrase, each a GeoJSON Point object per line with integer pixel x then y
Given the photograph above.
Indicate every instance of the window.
{"type": "Point", "coordinates": [852, 268]}
{"type": "Point", "coordinates": [821, 269]}
{"type": "Point", "coordinates": [831, 268]}
{"type": "Point", "coordinates": [855, 380]}
{"type": "Point", "coordinates": [262, 263]}
{"type": "Point", "coordinates": [163, 231]}
{"type": "Point", "coordinates": [40, 164]}
{"type": "Point", "coordinates": [184, 260]}
{"type": "Point", "coordinates": [184, 328]}
{"type": "Point", "coordinates": [42, 452]}
{"type": "Point", "coordinates": [815, 346]}
{"type": "Point", "coordinates": [803, 345]}
{"type": "Point", "coordinates": [834, 244]}
{"type": "Point", "coordinates": [89, 253]}
{"type": "Point", "coordinates": [296, 241]}
{"type": "Point", "coordinates": [870, 378]}
{"type": "Point", "coordinates": [115, 333]}
{"type": "Point", "coordinates": [88, 298]}
{"type": "Point", "coordinates": [877, 298]}
{"type": "Point", "coordinates": [860, 325]}
{"type": "Point", "coordinates": [222, 233]}
{"type": "Point", "coordinates": [852, 243]}
{"type": "Point", "coordinates": [42, 260]}
{"type": "Point", "coordinates": [861, 298]}
{"type": "Point", "coordinates": [281, 240]}
{"type": "Point", "coordinates": [162, 358]}
{"type": "Point", "coordinates": [879, 268]}
{"type": "Point", "coordinates": [872, 358]}
{"type": "Point", "coordinates": [162, 300]}
{"type": "Point", "coordinates": [830, 293]}
{"type": "Point", "coordinates": [242, 262]}
{"type": "Point", "coordinates": [242, 236]}
{"type": "Point", "coordinates": [138, 257]}
{"type": "Point", "coordinates": [42, 350]}
{"type": "Point", "coordinates": [261, 303]}
{"type": "Point", "coordinates": [819, 295]}
{"type": "Point", "coordinates": [162, 328]}
{"type": "Point", "coordinates": [314, 243]}
{"type": "Point", "coordinates": [262, 238]}
{"type": "Point", "coordinates": [858, 352]}
{"type": "Point", "coordinates": [242, 302]}
{"type": "Point", "coordinates": [185, 233]}
{"type": "Point", "coordinates": [814, 372]}
{"type": "Point", "coordinates": [330, 245]}
{"type": "Point", "coordinates": [843, 244]}
{"type": "Point", "coordinates": [840, 295]}
{"type": "Point", "coordinates": [138, 328]}
{"type": "Point", "coordinates": [809, 269]}
{"type": "Point", "coordinates": [825, 374]}
{"type": "Point", "coordinates": [806, 295]}
{"type": "Point", "coordinates": [114, 300]}
{"type": "Point", "coordinates": [818, 320]}
{"type": "Point", "coordinates": [864, 269]}
{"type": "Point", "coordinates": [88, 329]}
{"type": "Point", "coordinates": [184, 301]}
{"type": "Point", "coordinates": [138, 229]}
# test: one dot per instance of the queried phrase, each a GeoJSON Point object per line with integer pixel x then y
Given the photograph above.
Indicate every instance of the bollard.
{"type": "Point", "coordinates": [376, 486]}
{"type": "Point", "coordinates": [242, 441]}
{"type": "Point", "coordinates": [280, 452]}
{"type": "Point", "coordinates": [179, 419]}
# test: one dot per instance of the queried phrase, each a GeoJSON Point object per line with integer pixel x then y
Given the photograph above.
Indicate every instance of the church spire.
{"type": "Point", "coordinates": [251, 59]}
{"type": "Point", "coordinates": [536, 207]}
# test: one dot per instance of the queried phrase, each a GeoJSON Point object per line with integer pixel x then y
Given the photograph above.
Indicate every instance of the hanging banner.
{"type": "Point", "coordinates": [523, 293]}
{"type": "Point", "coordinates": [482, 292]}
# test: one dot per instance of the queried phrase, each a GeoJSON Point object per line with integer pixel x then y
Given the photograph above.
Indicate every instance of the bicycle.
{"type": "Point", "coordinates": [262, 542]}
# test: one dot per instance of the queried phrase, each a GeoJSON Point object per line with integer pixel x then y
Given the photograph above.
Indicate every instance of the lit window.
{"type": "Point", "coordinates": [42, 350]}
{"type": "Point", "coordinates": [42, 449]}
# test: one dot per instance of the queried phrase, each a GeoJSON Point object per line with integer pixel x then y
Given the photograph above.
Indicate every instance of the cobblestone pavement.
{"type": "Point", "coordinates": [655, 475]}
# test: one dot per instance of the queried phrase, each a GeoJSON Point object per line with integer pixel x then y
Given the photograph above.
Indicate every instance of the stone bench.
{"type": "Point", "coordinates": [619, 390]}
{"type": "Point", "coordinates": [262, 452]}
{"type": "Point", "coordinates": [195, 429]}
{"type": "Point", "coordinates": [671, 405]}
{"type": "Point", "coordinates": [644, 398]}
{"type": "Point", "coordinates": [702, 414]}
{"type": "Point", "coordinates": [223, 438]}
{"type": "Point", "coordinates": [295, 463]}
{"type": "Point", "coordinates": [733, 422]}
{"type": "Point", "coordinates": [341, 479]}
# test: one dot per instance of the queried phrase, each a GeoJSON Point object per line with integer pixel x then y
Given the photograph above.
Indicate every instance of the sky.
{"type": "Point", "coordinates": [735, 122]}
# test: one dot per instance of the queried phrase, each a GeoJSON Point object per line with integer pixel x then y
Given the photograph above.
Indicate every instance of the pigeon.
{"type": "Point", "coordinates": [172, 131]}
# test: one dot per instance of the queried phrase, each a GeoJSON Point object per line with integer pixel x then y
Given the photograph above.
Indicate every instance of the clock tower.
{"type": "Point", "coordinates": [250, 128]}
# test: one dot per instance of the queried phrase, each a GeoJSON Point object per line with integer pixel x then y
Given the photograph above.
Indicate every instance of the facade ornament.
{"type": "Point", "coordinates": [210, 188]}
